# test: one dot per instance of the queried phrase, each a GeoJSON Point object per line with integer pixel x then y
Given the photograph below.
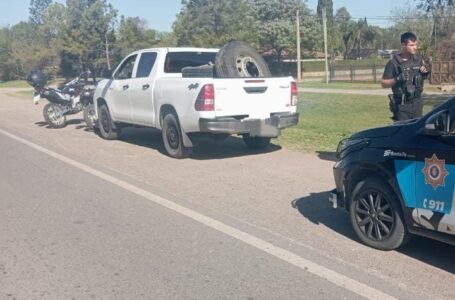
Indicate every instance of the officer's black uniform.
{"type": "Point", "coordinates": [406, 101]}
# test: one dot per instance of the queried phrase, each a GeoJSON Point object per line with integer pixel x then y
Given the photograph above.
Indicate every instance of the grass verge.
{"type": "Point", "coordinates": [325, 119]}
{"type": "Point", "coordinates": [23, 94]}
{"type": "Point", "coordinates": [340, 85]}
{"type": "Point", "coordinates": [14, 84]}
{"type": "Point", "coordinates": [355, 85]}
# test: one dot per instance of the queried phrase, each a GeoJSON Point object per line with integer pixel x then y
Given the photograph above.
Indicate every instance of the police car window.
{"type": "Point", "coordinates": [146, 64]}
{"type": "Point", "coordinates": [126, 69]}
{"type": "Point", "coordinates": [452, 120]}
{"type": "Point", "coordinates": [176, 61]}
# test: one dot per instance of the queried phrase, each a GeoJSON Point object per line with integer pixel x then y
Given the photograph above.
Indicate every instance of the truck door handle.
{"type": "Point", "coordinates": [146, 86]}
{"type": "Point", "coordinates": [125, 87]}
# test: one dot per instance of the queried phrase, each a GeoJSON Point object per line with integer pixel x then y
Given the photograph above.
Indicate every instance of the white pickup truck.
{"type": "Point", "coordinates": [148, 89]}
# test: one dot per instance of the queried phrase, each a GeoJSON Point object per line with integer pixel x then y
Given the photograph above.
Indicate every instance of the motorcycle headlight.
{"type": "Point", "coordinates": [349, 145]}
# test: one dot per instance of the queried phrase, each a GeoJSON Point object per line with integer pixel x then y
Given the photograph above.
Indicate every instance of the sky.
{"type": "Point", "coordinates": [161, 14]}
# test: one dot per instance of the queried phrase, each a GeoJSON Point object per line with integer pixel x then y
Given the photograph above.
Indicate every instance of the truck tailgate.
{"type": "Point", "coordinates": [254, 98]}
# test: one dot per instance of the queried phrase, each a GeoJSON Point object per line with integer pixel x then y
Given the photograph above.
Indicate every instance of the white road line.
{"type": "Point", "coordinates": [283, 254]}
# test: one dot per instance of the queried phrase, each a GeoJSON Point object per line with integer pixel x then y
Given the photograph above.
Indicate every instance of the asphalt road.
{"type": "Point", "coordinates": [84, 218]}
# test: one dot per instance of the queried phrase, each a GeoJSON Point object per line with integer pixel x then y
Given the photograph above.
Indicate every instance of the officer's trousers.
{"type": "Point", "coordinates": [410, 110]}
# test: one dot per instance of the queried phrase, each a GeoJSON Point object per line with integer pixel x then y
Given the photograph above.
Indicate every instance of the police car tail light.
{"type": "Point", "coordinates": [294, 93]}
{"type": "Point", "coordinates": [206, 99]}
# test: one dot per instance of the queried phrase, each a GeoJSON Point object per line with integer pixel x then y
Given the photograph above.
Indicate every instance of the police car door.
{"type": "Point", "coordinates": [435, 178]}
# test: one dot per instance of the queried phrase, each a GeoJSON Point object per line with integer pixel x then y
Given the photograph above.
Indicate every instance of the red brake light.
{"type": "Point", "coordinates": [294, 94]}
{"type": "Point", "coordinates": [206, 99]}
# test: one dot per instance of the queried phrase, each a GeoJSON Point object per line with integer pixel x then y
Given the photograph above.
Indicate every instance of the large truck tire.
{"type": "Point", "coordinates": [237, 59]}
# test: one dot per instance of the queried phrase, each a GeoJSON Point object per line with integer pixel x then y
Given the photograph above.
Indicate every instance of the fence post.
{"type": "Point", "coordinates": [374, 73]}
{"type": "Point", "coordinates": [332, 72]}
{"type": "Point", "coordinates": [351, 73]}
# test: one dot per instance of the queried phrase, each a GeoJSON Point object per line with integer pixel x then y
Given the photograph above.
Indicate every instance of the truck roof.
{"type": "Point", "coordinates": [178, 49]}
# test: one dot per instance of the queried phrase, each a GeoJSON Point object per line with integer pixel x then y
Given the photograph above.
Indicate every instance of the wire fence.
{"type": "Point", "coordinates": [355, 73]}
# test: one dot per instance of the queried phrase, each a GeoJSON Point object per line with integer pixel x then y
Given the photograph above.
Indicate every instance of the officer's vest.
{"type": "Point", "coordinates": [413, 87]}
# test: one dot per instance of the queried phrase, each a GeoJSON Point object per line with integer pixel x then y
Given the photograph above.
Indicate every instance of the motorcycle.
{"type": "Point", "coordinates": [71, 98]}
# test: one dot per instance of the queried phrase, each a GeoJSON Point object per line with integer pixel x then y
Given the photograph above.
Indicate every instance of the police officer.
{"type": "Point", "coordinates": [405, 73]}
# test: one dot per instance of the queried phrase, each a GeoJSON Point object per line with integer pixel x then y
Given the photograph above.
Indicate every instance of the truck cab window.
{"type": "Point", "coordinates": [126, 69]}
{"type": "Point", "coordinates": [176, 61]}
{"type": "Point", "coordinates": [146, 63]}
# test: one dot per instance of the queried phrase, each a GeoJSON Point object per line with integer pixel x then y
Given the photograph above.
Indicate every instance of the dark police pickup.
{"type": "Point", "coordinates": [399, 180]}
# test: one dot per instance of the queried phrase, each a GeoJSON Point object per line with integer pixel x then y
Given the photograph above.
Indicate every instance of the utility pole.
{"type": "Point", "coordinates": [434, 22]}
{"type": "Point", "coordinates": [107, 53]}
{"type": "Point", "coordinates": [324, 24]}
{"type": "Point", "coordinates": [299, 65]}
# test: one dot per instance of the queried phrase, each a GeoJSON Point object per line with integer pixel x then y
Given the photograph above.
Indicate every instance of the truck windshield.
{"type": "Point", "coordinates": [176, 61]}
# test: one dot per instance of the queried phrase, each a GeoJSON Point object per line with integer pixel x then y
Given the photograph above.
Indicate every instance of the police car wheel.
{"type": "Point", "coordinates": [376, 215]}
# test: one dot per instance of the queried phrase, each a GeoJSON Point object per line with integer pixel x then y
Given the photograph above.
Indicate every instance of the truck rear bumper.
{"type": "Point", "coordinates": [270, 127]}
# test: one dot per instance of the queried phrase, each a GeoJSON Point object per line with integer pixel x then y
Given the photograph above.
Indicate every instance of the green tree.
{"type": "Point", "coordinates": [442, 13]}
{"type": "Point", "coordinates": [37, 9]}
{"type": "Point", "coordinates": [50, 33]}
{"type": "Point", "coordinates": [277, 30]}
{"type": "Point", "coordinates": [88, 26]}
{"type": "Point", "coordinates": [7, 64]}
{"type": "Point", "coordinates": [26, 49]}
{"type": "Point", "coordinates": [328, 4]}
{"type": "Point", "coordinates": [166, 39]}
{"type": "Point", "coordinates": [331, 33]}
{"type": "Point", "coordinates": [359, 34]}
{"type": "Point", "coordinates": [311, 33]}
{"type": "Point", "coordinates": [429, 5]}
{"type": "Point", "coordinates": [211, 23]}
{"type": "Point", "coordinates": [345, 29]}
{"type": "Point", "coordinates": [133, 34]}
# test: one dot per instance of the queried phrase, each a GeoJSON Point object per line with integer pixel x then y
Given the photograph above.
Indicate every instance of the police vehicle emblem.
{"type": "Point", "coordinates": [435, 171]}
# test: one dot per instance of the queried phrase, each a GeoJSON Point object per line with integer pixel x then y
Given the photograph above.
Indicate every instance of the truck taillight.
{"type": "Point", "coordinates": [206, 99]}
{"type": "Point", "coordinates": [294, 93]}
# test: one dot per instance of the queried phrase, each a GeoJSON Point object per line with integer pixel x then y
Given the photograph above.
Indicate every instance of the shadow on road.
{"type": "Point", "coordinates": [68, 122]}
{"type": "Point", "coordinates": [318, 210]}
{"type": "Point", "coordinates": [41, 124]}
{"type": "Point", "coordinates": [325, 155]}
{"type": "Point", "coordinates": [207, 149]}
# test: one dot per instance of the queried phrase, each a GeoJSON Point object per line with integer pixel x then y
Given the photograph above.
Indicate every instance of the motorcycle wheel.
{"type": "Point", "coordinates": [90, 116]}
{"type": "Point", "coordinates": [54, 116]}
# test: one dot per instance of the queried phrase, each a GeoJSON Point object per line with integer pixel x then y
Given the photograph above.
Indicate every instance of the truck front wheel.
{"type": "Point", "coordinates": [106, 126]}
{"type": "Point", "coordinates": [172, 137]}
{"type": "Point", "coordinates": [256, 142]}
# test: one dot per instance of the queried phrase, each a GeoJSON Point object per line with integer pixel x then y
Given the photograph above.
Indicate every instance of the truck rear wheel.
{"type": "Point", "coordinates": [256, 142]}
{"type": "Point", "coordinates": [172, 137]}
